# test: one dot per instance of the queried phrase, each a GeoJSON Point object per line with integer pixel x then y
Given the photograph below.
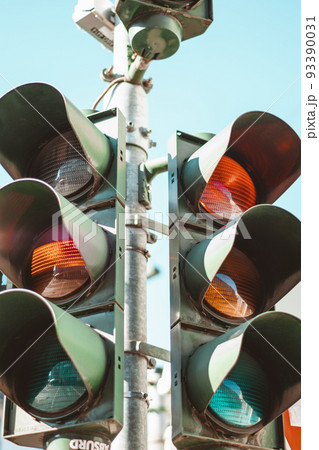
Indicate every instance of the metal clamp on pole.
{"type": "Point", "coordinates": [140, 395]}
{"type": "Point", "coordinates": [135, 248]}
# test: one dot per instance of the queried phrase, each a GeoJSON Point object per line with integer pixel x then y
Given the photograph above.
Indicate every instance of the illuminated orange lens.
{"type": "Point", "coordinates": [236, 289]}
{"type": "Point", "coordinates": [229, 191]}
{"type": "Point", "coordinates": [57, 269]}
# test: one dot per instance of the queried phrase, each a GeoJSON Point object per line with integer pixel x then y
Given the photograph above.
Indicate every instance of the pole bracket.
{"type": "Point", "coordinates": [140, 221]}
{"type": "Point", "coordinates": [132, 347]}
{"type": "Point", "coordinates": [150, 351]}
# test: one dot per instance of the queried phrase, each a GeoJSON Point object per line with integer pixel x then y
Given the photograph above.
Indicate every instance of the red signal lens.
{"type": "Point", "coordinates": [229, 191]}
{"type": "Point", "coordinates": [58, 270]}
{"type": "Point", "coordinates": [236, 289]}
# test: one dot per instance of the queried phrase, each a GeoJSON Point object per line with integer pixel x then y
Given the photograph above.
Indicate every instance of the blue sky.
{"type": "Point", "coordinates": [249, 59]}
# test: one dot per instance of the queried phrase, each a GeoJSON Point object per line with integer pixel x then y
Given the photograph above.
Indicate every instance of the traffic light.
{"type": "Point", "coordinates": [62, 245]}
{"type": "Point", "coordinates": [58, 368]}
{"type": "Point", "coordinates": [252, 161]}
{"type": "Point", "coordinates": [156, 28]}
{"type": "Point", "coordinates": [233, 256]}
{"type": "Point", "coordinates": [44, 136]}
{"type": "Point", "coordinates": [231, 387]}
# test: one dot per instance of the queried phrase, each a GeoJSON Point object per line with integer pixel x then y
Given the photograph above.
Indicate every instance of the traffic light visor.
{"type": "Point", "coordinates": [246, 267]}
{"type": "Point", "coordinates": [49, 245]}
{"type": "Point", "coordinates": [246, 377]}
{"type": "Point", "coordinates": [51, 363]}
{"type": "Point", "coordinates": [43, 135]}
{"type": "Point", "coordinates": [252, 161]}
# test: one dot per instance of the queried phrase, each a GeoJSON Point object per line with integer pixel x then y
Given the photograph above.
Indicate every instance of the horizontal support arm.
{"type": "Point", "coordinates": [155, 167]}
{"type": "Point", "coordinates": [146, 349]}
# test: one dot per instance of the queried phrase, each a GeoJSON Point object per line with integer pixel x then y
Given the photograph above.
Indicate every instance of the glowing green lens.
{"type": "Point", "coordinates": [52, 384]}
{"type": "Point", "coordinates": [242, 398]}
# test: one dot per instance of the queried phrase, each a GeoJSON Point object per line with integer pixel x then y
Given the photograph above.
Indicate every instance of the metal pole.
{"type": "Point", "coordinates": [131, 99]}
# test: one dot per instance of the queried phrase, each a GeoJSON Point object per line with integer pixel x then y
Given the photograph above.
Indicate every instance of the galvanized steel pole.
{"type": "Point", "coordinates": [131, 99]}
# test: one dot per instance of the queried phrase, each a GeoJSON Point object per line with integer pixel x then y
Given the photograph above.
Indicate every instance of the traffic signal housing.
{"type": "Point", "coordinates": [238, 272]}
{"type": "Point", "coordinates": [257, 359]}
{"type": "Point", "coordinates": [254, 160]}
{"type": "Point", "coordinates": [235, 366]}
{"type": "Point", "coordinates": [227, 389]}
{"type": "Point", "coordinates": [62, 245]}
{"type": "Point", "coordinates": [156, 28]}
{"type": "Point", "coordinates": [57, 367]}
{"type": "Point", "coordinates": [58, 251]}
{"type": "Point", "coordinates": [44, 136]}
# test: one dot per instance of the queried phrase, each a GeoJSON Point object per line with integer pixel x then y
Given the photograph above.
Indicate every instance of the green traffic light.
{"type": "Point", "coordinates": [248, 376]}
{"type": "Point", "coordinates": [242, 399]}
{"type": "Point", "coordinates": [52, 364]}
{"type": "Point", "coordinates": [51, 385]}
